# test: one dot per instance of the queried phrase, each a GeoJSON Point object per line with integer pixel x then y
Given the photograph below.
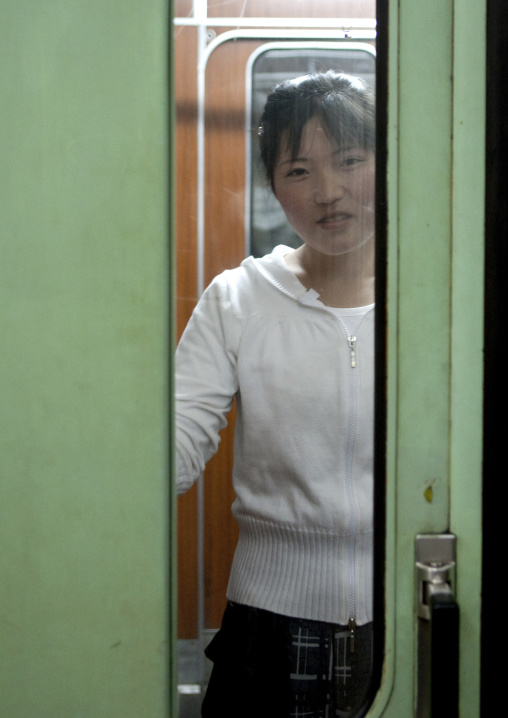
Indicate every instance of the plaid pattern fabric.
{"type": "Point", "coordinates": [272, 666]}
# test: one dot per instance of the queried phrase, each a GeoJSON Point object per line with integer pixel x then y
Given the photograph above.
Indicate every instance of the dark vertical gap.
{"type": "Point", "coordinates": [380, 339]}
{"type": "Point", "coordinates": [495, 422]}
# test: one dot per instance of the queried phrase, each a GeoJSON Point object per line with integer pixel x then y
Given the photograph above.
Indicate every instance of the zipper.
{"type": "Point", "coordinates": [351, 340]}
{"type": "Point", "coordinates": [352, 626]}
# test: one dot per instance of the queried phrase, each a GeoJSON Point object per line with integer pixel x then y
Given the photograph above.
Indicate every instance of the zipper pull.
{"type": "Point", "coordinates": [352, 343]}
{"type": "Point", "coordinates": [352, 625]}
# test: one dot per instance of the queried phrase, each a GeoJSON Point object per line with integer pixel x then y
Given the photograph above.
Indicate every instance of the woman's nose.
{"type": "Point", "coordinates": [329, 187]}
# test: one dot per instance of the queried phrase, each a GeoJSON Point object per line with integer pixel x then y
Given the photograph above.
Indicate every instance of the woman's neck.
{"type": "Point", "coordinates": [346, 280]}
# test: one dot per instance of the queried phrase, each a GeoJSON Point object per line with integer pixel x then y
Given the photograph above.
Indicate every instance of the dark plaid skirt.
{"type": "Point", "coordinates": [271, 666]}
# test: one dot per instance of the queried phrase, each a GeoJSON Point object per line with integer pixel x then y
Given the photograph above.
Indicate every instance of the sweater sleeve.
{"type": "Point", "coordinates": [206, 380]}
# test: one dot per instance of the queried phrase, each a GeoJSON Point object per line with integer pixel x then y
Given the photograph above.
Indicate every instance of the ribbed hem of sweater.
{"type": "Point", "coordinates": [302, 573]}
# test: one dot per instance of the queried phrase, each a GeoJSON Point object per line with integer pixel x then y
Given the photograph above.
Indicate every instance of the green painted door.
{"type": "Point", "coordinates": [435, 176]}
{"type": "Point", "coordinates": [84, 327]}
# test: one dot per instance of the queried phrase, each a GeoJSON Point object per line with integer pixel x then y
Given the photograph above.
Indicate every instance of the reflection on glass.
{"type": "Point", "coordinates": [268, 225]}
{"type": "Point", "coordinates": [283, 347]}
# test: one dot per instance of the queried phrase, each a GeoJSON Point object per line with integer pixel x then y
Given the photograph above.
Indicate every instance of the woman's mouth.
{"type": "Point", "coordinates": [335, 218]}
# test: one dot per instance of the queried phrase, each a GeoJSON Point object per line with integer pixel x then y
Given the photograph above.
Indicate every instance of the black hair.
{"type": "Point", "coordinates": [344, 103]}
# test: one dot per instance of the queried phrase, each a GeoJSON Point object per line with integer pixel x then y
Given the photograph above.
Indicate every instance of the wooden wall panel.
{"type": "Point", "coordinates": [185, 49]}
{"type": "Point", "coordinates": [225, 157]}
{"type": "Point", "coordinates": [224, 248]}
{"type": "Point", "coordinates": [292, 8]}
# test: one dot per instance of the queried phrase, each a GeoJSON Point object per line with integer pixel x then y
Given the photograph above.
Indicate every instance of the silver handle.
{"type": "Point", "coordinates": [438, 626]}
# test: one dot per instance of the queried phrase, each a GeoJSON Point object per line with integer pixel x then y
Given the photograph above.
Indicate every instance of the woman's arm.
{"type": "Point", "coordinates": [206, 381]}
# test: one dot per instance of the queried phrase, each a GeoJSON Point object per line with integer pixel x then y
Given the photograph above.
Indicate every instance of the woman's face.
{"type": "Point", "coordinates": [327, 192]}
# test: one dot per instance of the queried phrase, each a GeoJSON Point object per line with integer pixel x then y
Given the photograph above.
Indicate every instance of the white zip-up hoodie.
{"type": "Point", "coordinates": [303, 465]}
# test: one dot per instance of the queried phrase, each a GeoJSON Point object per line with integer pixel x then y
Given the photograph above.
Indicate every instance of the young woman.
{"type": "Point", "coordinates": [290, 335]}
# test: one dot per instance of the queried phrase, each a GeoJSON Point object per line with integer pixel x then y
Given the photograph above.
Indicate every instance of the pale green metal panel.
{"type": "Point", "coordinates": [434, 327]}
{"type": "Point", "coordinates": [424, 223]}
{"type": "Point", "coordinates": [84, 379]}
{"type": "Point", "coordinates": [173, 702]}
{"type": "Point", "coordinates": [422, 236]}
{"type": "Point", "coordinates": [419, 181]}
{"type": "Point", "coordinates": [466, 405]}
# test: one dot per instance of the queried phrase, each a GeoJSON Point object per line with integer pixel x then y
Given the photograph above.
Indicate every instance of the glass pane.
{"type": "Point", "coordinates": [268, 225]}
{"type": "Point", "coordinates": [225, 213]}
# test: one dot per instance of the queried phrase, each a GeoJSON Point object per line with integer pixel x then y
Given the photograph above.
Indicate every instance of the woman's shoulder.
{"type": "Point", "coordinates": [253, 274]}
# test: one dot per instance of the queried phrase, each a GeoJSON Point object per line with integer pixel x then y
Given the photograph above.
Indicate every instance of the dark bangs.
{"type": "Point", "coordinates": [344, 104]}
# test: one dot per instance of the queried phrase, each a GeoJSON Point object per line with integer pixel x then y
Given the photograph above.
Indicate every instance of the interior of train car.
{"type": "Point", "coordinates": [227, 58]}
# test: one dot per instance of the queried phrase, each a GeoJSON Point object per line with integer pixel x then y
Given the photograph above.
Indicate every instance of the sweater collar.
{"type": "Point", "coordinates": [273, 267]}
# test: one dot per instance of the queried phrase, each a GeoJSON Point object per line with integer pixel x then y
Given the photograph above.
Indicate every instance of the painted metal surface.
{"type": "Point", "coordinates": [84, 326]}
{"type": "Point", "coordinates": [435, 307]}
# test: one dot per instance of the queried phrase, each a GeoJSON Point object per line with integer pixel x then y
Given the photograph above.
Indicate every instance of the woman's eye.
{"type": "Point", "coordinates": [351, 161]}
{"type": "Point", "coordinates": [297, 172]}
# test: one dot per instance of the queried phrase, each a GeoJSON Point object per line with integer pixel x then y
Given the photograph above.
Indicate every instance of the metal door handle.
{"type": "Point", "coordinates": [438, 627]}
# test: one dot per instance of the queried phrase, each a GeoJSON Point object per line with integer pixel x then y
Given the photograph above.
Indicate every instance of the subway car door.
{"type": "Point", "coordinates": [431, 84]}
{"type": "Point", "coordinates": [433, 73]}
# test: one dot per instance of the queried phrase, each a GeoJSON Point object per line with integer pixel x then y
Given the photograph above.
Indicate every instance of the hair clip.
{"type": "Point", "coordinates": [260, 130]}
